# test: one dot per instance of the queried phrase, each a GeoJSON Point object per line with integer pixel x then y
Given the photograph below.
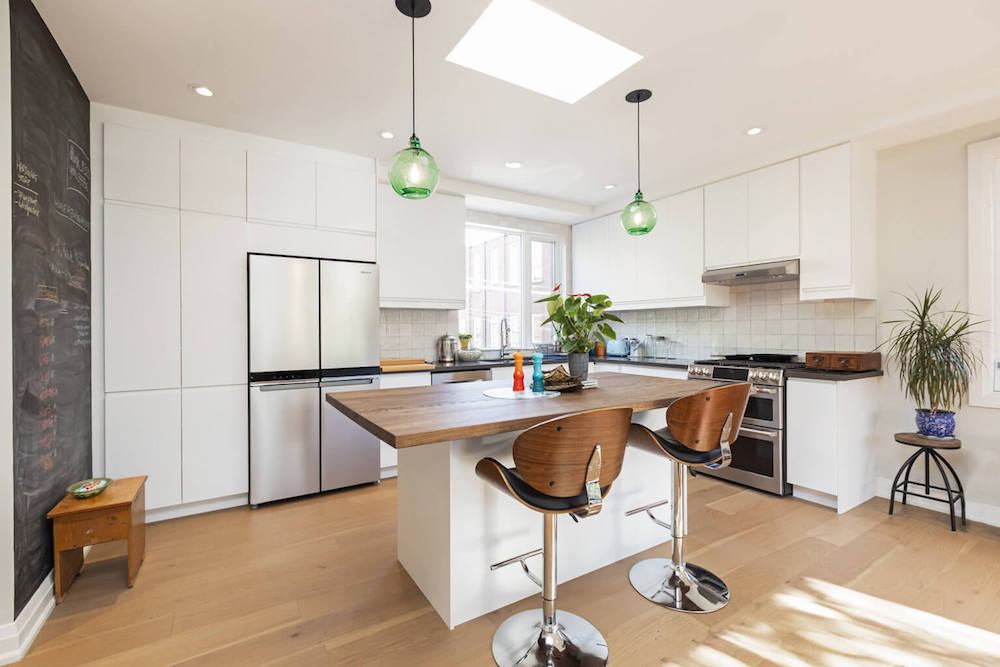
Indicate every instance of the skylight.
{"type": "Point", "coordinates": [523, 43]}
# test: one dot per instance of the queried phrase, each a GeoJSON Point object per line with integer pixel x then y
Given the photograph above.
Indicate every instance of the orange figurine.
{"type": "Point", "coordinates": [518, 371]}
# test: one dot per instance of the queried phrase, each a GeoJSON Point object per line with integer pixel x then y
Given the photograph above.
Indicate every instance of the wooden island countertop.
{"type": "Point", "coordinates": [413, 416]}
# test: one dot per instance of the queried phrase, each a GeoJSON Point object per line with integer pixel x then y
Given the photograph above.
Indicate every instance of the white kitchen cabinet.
{"type": "Point", "coordinates": [590, 257]}
{"type": "Point", "coordinates": [622, 250]}
{"type": "Point", "coordinates": [213, 300]}
{"type": "Point", "coordinates": [142, 288]}
{"type": "Point", "coordinates": [309, 242]}
{"type": "Point", "coordinates": [141, 166]}
{"type": "Point", "coordinates": [214, 442]}
{"type": "Point", "coordinates": [838, 235]}
{"type": "Point", "coordinates": [143, 437]}
{"type": "Point", "coordinates": [421, 251]}
{"type": "Point", "coordinates": [213, 178]}
{"type": "Point", "coordinates": [773, 212]}
{"type": "Point", "coordinates": [388, 454]}
{"type": "Point", "coordinates": [653, 371]}
{"type": "Point", "coordinates": [345, 198]}
{"type": "Point", "coordinates": [832, 437]}
{"type": "Point", "coordinates": [281, 188]}
{"type": "Point", "coordinates": [726, 242]}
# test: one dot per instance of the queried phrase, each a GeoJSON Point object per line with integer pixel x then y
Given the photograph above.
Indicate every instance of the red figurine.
{"type": "Point", "coordinates": [518, 371]}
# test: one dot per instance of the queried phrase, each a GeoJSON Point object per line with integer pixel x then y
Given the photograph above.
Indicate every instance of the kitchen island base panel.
{"type": "Point", "coordinates": [452, 526]}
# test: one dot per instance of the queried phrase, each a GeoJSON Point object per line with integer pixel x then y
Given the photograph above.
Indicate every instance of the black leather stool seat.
{"type": "Point", "coordinates": [675, 450]}
{"type": "Point", "coordinates": [509, 481]}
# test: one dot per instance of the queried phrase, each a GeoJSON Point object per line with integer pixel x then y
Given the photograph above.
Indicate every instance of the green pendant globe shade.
{"type": "Point", "coordinates": [414, 173]}
{"type": "Point", "coordinates": [639, 217]}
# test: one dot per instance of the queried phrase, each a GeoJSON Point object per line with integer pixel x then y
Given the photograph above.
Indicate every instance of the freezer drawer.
{"type": "Point", "coordinates": [348, 315]}
{"type": "Point", "coordinates": [284, 440]}
{"type": "Point", "coordinates": [349, 454]}
{"type": "Point", "coordinates": [284, 314]}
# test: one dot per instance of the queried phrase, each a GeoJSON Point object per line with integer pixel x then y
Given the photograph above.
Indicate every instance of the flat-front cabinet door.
{"type": "Point", "coordinates": [348, 314]}
{"type": "Point", "coordinates": [284, 441]}
{"type": "Point", "coordinates": [350, 454]}
{"type": "Point", "coordinates": [284, 314]}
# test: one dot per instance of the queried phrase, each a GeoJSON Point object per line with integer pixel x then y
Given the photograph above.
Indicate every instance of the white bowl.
{"type": "Point", "coordinates": [468, 355]}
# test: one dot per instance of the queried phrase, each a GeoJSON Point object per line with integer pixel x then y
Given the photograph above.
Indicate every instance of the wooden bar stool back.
{"type": "Point", "coordinates": [562, 466]}
{"type": "Point", "coordinates": [700, 429]}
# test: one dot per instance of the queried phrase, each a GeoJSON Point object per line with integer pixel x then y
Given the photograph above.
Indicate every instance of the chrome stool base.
{"type": "Point", "coordinates": [693, 589]}
{"type": "Point", "coordinates": [519, 641]}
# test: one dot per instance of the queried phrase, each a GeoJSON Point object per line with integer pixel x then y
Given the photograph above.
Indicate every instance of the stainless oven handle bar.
{"type": "Point", "coordinates": [764, 390]}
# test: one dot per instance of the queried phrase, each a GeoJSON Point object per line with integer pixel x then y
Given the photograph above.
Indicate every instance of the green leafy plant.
{"type": "Point", "coordinates": [579, 319]}
{"type": "Point", "coordinates": [934, 352]}
{"type": "Point", "coordinates": [465, 336]}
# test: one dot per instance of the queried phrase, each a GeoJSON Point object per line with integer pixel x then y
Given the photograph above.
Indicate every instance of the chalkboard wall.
{"type": "Point", "coordinates": [50, 116]}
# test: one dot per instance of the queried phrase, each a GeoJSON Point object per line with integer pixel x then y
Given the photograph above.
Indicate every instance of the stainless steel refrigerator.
{"type": "Point", "coordinates": [313, 326]}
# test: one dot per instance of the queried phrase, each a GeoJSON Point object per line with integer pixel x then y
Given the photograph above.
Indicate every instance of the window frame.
{"type": "Point", "coordinates": [559, 271]}
{"type": "Point", "coordinates": [983, 223]}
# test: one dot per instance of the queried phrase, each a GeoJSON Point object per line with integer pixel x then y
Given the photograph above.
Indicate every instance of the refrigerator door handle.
{"type": "Point", "coordinates": [285, 385]}
{"type": "Point", "coordinates": [346, 383]}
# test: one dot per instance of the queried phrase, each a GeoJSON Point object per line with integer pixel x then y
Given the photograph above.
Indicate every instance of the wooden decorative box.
{"type": "Point", "coordinates": [844, 361]}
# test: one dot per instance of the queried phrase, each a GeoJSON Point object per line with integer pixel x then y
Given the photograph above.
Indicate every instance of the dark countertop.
{"type": "Point", "coordinates": [832, 376]}
{"type": "Point", "coordinates": [440, 367]}
{"type": "Point", "coordinates": [645, 361]}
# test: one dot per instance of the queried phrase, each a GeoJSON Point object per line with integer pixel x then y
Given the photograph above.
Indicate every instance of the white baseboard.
{"type": "Point", "coordinates": [200, 507]}
{"type": "Point", "coordinates": [818, 497]}
{"type": "Point", "coordinates": [989, 514]}
{"type": "Point", "coordinates": [388, 472]}
{"type": "Point", "coordinates": [16, 637]}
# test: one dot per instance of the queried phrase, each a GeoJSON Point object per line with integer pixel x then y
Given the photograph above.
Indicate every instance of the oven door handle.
{"type": "Point", "coordinates": [764, 390]}
{"type": "Point", "coordinates": [771, 435]}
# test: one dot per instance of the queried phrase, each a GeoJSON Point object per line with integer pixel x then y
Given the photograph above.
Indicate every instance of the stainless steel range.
{"type": "Point", "coordinates": [759, 452]}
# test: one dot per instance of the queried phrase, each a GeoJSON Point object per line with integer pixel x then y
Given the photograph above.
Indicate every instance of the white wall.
{"type": "Point", "coordinates": [922, 240]}
{"type": "Point", "coordinates": [6, 337]}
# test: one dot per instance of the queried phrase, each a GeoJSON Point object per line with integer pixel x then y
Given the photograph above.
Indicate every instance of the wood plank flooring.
{"type": "Point", "coordinates": [315, 582]}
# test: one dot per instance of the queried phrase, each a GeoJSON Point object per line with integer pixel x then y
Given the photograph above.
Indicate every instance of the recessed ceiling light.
{"type": "Point", "coordinates": [753, 131]}
{"type": "Point", "coordinates": [609, 186]}
{"type": "Point", "coordinates": [513, 164]}
{"type": "Point", "coordinates": [204, 91]}
{"type": "Point", "coordinates": [386, 134]}
{"type": "Point", "coordinates": [523, 43]}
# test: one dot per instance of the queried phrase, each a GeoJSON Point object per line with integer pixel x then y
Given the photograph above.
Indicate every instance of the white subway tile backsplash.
{"type": "Point", "coordinates": [844, 327]}
{"type": "Point", "coordinates": [413, 332]}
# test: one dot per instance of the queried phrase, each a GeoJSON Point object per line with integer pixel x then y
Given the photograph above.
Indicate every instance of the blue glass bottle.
{"type": "Point", "coordinates": [537, 381]}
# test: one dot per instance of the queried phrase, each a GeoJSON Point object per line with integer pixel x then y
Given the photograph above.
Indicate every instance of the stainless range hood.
{"type": "Point", "coordinates": [754, 274]}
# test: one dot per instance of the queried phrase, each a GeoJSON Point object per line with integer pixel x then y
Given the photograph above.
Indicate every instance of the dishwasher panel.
{"type": "Point", "coordinates": [284, 437]}
{"type": "Point", "coordinates": [349, 454]}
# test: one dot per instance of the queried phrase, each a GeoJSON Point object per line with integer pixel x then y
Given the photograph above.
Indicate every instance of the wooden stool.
{"type": "Point", "coordinates": [928, 448]}
{"type": "Point", "coordinates": [563, 466]}
{"type": "Point", "coordinates": [119, 513]}
{"type": "Point", "coordinates": [699, 431]}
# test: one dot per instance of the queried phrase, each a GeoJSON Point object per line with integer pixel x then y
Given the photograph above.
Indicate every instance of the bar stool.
{"type": "Point", "coordinates": [562, 466]}
{"type": "Point", "coordinates": [699, 431]}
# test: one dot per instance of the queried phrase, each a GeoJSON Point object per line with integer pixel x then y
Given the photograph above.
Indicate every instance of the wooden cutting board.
{"type": "Point", "coordinates": [400, 365]}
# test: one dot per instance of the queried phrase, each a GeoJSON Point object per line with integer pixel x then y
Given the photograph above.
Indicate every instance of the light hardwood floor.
{"type": "Point", "coordinates": [315, 582]}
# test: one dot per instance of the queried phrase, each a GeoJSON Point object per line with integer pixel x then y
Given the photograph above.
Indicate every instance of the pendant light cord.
{"type": "Point", "coordinates": [638, 168]}
{"type": "Point", "coordinates": [413, 70]}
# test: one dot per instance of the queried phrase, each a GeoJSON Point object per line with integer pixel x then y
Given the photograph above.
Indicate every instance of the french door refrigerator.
{"type": "Point", "coordinates": [313, 327]}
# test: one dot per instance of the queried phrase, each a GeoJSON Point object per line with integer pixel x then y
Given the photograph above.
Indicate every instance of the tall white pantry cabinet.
{"type": "Point", "coordinates": [177, 207]}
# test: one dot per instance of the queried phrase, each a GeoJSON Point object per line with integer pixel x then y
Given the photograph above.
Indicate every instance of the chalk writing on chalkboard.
{"type": "Point", "coordinates": [78, 170]}
{"type": "Point", "coordinates": [26, 200]}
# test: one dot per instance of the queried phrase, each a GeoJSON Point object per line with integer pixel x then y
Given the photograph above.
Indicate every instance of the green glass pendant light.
{"type": "Point", "coordinates": [414, 173]}
{"type": "Point", "coordinates": [638, 217]}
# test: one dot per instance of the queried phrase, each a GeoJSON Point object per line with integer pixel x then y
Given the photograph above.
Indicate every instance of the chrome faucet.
{"type": "Point", "coordinates": [504, 337]}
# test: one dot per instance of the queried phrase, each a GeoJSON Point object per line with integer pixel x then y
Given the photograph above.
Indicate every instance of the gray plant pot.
{"type": "Point", "coordinates": [578, 362]}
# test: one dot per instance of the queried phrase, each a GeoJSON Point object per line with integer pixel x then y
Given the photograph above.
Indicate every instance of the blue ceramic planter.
{"type": "Point", "coordinates": [937, 424]}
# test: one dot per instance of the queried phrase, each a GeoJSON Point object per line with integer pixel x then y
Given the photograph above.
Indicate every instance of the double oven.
{"type": "Point", "coordinates": [759, 451]}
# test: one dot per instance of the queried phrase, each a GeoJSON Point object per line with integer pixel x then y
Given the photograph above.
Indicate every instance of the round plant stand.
{"type": "Point", "coordinates": [928, 448]}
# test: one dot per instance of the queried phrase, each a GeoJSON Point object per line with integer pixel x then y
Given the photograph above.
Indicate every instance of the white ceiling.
{"type": "Point", "coordinates": [334, 73]}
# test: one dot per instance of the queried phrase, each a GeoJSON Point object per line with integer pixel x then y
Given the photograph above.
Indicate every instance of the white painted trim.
{"type": "Point", "coordinates": [389, 472]}
{"type": "Point", "coordinates": [16, 637]}
{"type": "Point", "coordinates": [974, 511]}
{"type": "Point", "coordinates": [983, 220]}
{"type": "Point", "coordinates": [817, 497]}
{"type": "Point", "coordinates": [200, 507]}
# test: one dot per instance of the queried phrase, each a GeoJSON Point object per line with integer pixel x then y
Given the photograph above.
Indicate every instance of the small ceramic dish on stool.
{"type": "Point", "coordinates": [88, 488]}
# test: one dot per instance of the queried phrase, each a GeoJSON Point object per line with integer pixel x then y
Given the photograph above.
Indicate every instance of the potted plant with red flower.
{"type": "Point", "coordinates": [579, 320]}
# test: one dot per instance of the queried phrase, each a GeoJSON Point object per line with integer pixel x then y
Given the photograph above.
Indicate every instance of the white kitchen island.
{"type": "Point", "coordinates": [452, 525]}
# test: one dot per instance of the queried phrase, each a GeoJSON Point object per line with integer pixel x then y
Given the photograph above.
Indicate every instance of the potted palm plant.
{"type": "Point", "coordinates": [579, 320]}
{"type": "Point", "coordinates": [936, 359]}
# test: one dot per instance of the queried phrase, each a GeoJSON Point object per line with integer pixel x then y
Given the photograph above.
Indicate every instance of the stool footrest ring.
{"type": "Point", "coordinates": [524, 566]}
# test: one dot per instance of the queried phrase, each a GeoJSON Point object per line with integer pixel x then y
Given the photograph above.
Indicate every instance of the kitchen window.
{"type": "Point", "coordinates": [506, 271]}
{"type": "Point", "coordinates": [984, 265]}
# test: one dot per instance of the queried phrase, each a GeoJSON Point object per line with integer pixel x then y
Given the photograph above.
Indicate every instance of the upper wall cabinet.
{"type": "Point", "coordinates": [421, 251]}
{"type": "Point", "coordinates": [838, 224]}
{"type": "Point", "coordinates": [773, 212]}
{"type": "Point", "coordinates": [590, 256]}
{"type": "Point", "coordinates": [345, 198]}
{"type": "Point", "coordinates": [753, 218]}
{"type": "Point", "coordinates": [142, 290]}
{"type": "Point", "coordinates": [141, 166]}
{"type": "Point", "coordinates": [281, 189]}
{"type": "Point", "coordinates": [213, 178]}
